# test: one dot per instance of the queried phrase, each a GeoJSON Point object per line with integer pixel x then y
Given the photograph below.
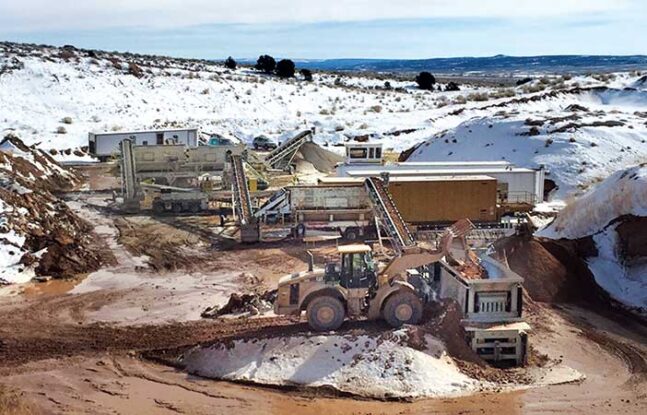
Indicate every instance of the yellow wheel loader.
{"type": "Point", "coordinates": [357, 286]}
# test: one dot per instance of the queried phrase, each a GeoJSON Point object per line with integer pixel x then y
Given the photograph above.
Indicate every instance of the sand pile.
{"type": "Point", "coordinates": [322, 160]}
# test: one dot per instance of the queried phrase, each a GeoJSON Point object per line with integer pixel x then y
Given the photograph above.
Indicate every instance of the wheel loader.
{"type": "Point", "coordinates": [357, 286]}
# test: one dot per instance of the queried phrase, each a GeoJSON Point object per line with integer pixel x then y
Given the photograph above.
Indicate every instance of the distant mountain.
{"type": "Point", "coordinates": [485, 65]}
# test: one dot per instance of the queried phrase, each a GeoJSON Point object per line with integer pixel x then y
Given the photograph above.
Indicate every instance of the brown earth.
{"type": "Point", "coordinates": [553, 271]}
{"type": "Point", "coordinates": [30, 184]}
{"type": "Point", "coordinates": [632, 232]}
{"type": "Point", "coordinates": [65, 365]}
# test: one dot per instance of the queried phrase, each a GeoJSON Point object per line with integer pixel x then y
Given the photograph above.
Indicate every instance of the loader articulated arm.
{"type": "Point", "coordinates": [416, 257]}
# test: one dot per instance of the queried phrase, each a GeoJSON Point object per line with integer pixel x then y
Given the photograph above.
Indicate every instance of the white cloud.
{"type": "Point", "coordinates": [36, 15]}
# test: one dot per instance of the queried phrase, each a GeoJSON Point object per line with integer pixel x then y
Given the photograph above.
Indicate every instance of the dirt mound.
{"type": "Point", "coordinates": [553, 270]}
{"type": "Point", "coordinates": [38, 231]}
{"type": "Point", "coordinates": [322, 159]}
{"type": "Point", "coordinates": [253, 304]}
{"type": "Point", "coordinates": [443, 320]}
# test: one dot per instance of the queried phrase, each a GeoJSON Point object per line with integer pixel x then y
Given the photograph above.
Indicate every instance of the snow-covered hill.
{"type": "Point", "coordinates": [579, 135]}
{"type": "Point", "coordinates": [614, 214]}
{"type": "Point", "coordinates": [580, 129]}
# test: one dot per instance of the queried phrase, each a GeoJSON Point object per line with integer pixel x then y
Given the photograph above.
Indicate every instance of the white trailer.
{"type": "Point", "coordinates": [106, 144]}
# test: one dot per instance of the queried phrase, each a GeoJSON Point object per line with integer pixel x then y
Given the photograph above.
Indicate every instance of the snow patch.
{"type": "Point", "coordinates": [370, 366]}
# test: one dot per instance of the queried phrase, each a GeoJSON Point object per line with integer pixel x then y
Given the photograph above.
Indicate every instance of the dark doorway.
{"type": "Point", "coordinates": [160, 139]}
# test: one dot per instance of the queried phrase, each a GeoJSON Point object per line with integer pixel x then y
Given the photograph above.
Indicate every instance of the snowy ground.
{"type": "Point", "coordinates": [47, 93]}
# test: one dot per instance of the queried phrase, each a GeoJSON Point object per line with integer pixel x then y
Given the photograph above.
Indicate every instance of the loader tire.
{"type": "Point", "coordinates": [158, 207]}
{"type": "Point", "coordinates": [325, 313]}
{"type": "Point", "coordinates": [351, 234]}
{"type": "Point", "coordinates": [402, 307]}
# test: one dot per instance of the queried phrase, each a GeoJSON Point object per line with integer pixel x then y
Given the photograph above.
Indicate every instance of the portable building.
{"type": "Point", "coordinates": [106, 144]}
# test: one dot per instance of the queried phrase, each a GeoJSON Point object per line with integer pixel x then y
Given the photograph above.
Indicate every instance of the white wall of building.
{"type": "Point", "coordinates": [107, 144]}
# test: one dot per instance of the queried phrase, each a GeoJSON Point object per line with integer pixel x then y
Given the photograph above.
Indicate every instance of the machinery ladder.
{"type": "Point", "coordinates": [388, 215]}
{"type": "Point", "coordinates": [281, 157]}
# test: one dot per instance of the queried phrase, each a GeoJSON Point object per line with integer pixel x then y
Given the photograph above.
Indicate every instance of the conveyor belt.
{"type": "Point", "coordinates": [242, 201]}
{"type": "Point", "coordinates": [281, 157]}
{"type": "Point", "coordinates": [128, 177]}
{"type": "Point", "coordinates": [388, 214]}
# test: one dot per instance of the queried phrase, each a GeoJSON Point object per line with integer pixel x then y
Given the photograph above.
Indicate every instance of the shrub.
{"type": "Point", "coordinates": [265, 63]}
{"type": "Point", "coordinates": [115, 63]}
{"type": "Point", "coordinates": [67, 120]}
{"type": "Point", "coordinates": [66, 54]}
{"type": "Point", "coordinates": [523, 81]}
{"type": "Point", "coordinates": [425, 80]}
{"type": "Point", "coordinates": [230, 63]}
{"type": "Point", "coordinates": [307, 74]}
{"type": "Point", "coordinates": [61, 130]}
{"type": "Point", "coordinates": [452, 86]}
{"type": "Point", "coordinates": [478, 96]}
{"type": "Point", "coordinates": [135, 70]}
{"type": "Point", "coordinates": [285, 68]}
{"type": "Point", "coordinates": [387, 85]}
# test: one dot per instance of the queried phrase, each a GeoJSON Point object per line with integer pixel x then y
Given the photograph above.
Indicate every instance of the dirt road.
{"type": "Point", "coordinates": [64, 351]}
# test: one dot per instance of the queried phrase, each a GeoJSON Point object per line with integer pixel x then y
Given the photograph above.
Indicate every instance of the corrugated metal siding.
{"type": "Point", "coordinates": [435, 201]}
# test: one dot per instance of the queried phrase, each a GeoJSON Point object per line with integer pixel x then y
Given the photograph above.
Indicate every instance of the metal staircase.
{"type": "Point", "coordinates": [387, 214]}
{"type": "Point", "coordinates": [281, 157]}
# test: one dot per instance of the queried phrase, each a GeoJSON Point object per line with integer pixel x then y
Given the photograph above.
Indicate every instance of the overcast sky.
{"type": "Point", "coordinates": [333, 28]}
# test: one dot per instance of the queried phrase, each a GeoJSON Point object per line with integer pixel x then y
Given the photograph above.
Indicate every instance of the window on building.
{"type": "Point", "coordinates": [357, 153]}
{"type": "Point", "coordinates": [378, 152]}
{"type": "Point", "coordinates": [145, 143]}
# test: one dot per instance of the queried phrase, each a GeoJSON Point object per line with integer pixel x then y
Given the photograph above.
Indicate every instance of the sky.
{"type": "Point", "coordinates": [323, 29]}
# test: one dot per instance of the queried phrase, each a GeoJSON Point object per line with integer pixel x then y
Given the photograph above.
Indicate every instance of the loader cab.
{"type": "Point", "coordinates": [356, 268]}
